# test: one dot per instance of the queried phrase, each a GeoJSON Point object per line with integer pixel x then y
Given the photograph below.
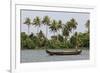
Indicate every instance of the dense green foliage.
{"type": "Point", "coordinates": [58, 41]}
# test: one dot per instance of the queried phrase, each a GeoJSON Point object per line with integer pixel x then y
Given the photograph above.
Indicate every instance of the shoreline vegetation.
{"type": "Point", "coordinates": [67, 39]}
{"type": "Point", "coordinates": [60, 49]}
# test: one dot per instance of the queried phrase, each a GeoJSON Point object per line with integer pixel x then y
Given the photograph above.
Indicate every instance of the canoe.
{"type": "Point", "coordinates": [67, 52]}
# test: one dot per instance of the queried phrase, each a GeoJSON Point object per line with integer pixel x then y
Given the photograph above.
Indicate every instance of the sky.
{"type": "Point", "coordinates": [80, 18]}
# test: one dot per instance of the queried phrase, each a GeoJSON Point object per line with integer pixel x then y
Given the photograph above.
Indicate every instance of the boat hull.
{"type": "Point", "coordinates": [76, 52]}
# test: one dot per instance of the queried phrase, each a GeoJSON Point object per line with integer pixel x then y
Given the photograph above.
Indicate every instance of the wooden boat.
{"type": "Point", "coordinates": [67, 52]}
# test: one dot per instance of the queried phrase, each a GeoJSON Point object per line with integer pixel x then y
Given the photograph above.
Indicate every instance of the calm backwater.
{"type": "Point", "coordinates": [42, 56]}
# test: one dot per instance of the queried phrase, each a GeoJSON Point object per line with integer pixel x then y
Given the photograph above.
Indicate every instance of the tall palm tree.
{"type": "Point", "coordinates": [37, 22]}
{"type": "Point", "coordinates": [87, 24]}
{"type": "Point", "coordinates": [59, 26]}
{"type": "Point", "coordinates": [54, 26]}
{"type": "Point", "coordinates": [65, 32]}
{"type": "Point", "coordinates": [28, 23]}
{"type": "Point", "coordinates": [72, 24]}
{"type": "Point", "coordinates": [46, 21]}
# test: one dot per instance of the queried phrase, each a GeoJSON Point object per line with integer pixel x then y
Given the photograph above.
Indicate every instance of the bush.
{"type": "Point", "coordinates": [29, 44]}
{"type": "Point", "coordinates": [26, 42]}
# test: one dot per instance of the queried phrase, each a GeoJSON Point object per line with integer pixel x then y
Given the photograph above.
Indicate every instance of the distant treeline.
{"type": "Point", "coordinates": [57, 41]}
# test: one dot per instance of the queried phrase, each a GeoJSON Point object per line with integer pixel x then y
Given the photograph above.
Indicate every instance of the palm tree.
{"type": "Point", "coordinates": [46, 21]}
{"type": "Point", "coordinates": [88, 32]}
{"type": "Point", "coordinates": [59, 26]}
{"type": "Point", "coordinates": [72, 24]}
{"type": "Point", "coordinates": [28, 22]}
{"type": "Point", "coordinates": [54, 26]}
{"type": "Point", "coordinates": [65, 32]}
{"type": "Point", "coordinates": [37, 22]}
{"type": "Point", "coordinates": [87, 24]}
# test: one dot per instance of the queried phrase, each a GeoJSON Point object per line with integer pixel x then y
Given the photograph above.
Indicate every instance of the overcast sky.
{"type": "Point", "coordinates": [81, 19]}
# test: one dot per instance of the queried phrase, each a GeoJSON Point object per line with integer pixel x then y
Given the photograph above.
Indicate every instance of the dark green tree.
{"type": "Point", "coordinates": [41, 39]}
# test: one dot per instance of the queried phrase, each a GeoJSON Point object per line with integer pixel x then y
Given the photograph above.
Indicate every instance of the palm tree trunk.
{"type": "Point", "coordinates": [76, 42]}
{"type": "Point", "coordinates": [28, 29]}
{"type": "Point", "coordinates": [37, 29]}
{"type": "Point", "coordinates": [65, 40]}
{"type": "Point", "coordinates": [46, 32]}
{"type": "Point", "coordinates": [54, 34]}
{"type": "Point", "coordinates": [57, 34]}
{"type": "Point", "coordinates": [88, 30]}
{"type": "Point", "coordinates": [46, 36]}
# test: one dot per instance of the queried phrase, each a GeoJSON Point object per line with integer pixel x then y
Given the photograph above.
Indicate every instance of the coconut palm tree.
{"type": "Point", "coordinates": [54, 26]}
{"type": "Point", "coordinates": [87, 24]}
{"type": "Point", "coordinates": [65, 32]}
{"type": "Point", "coordinates": [88, 32]}
{"type": "Point", "coordinates": [72, 24]}
{"type": "Point", "coordinates": [37, 22]}
{"type": "Point", "coordinates": [59, 26]}
{"type": "Point", "coordinates": [28, 23]}
{"type": "Point", "coordinates": [46, 21]}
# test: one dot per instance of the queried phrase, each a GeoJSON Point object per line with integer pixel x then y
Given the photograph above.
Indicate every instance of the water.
{"type": "Point", "coordinates": [42, 56]}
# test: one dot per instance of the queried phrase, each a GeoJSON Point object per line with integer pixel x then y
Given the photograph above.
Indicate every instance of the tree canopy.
{"type": "Point", "coordinates": [66, 39]}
